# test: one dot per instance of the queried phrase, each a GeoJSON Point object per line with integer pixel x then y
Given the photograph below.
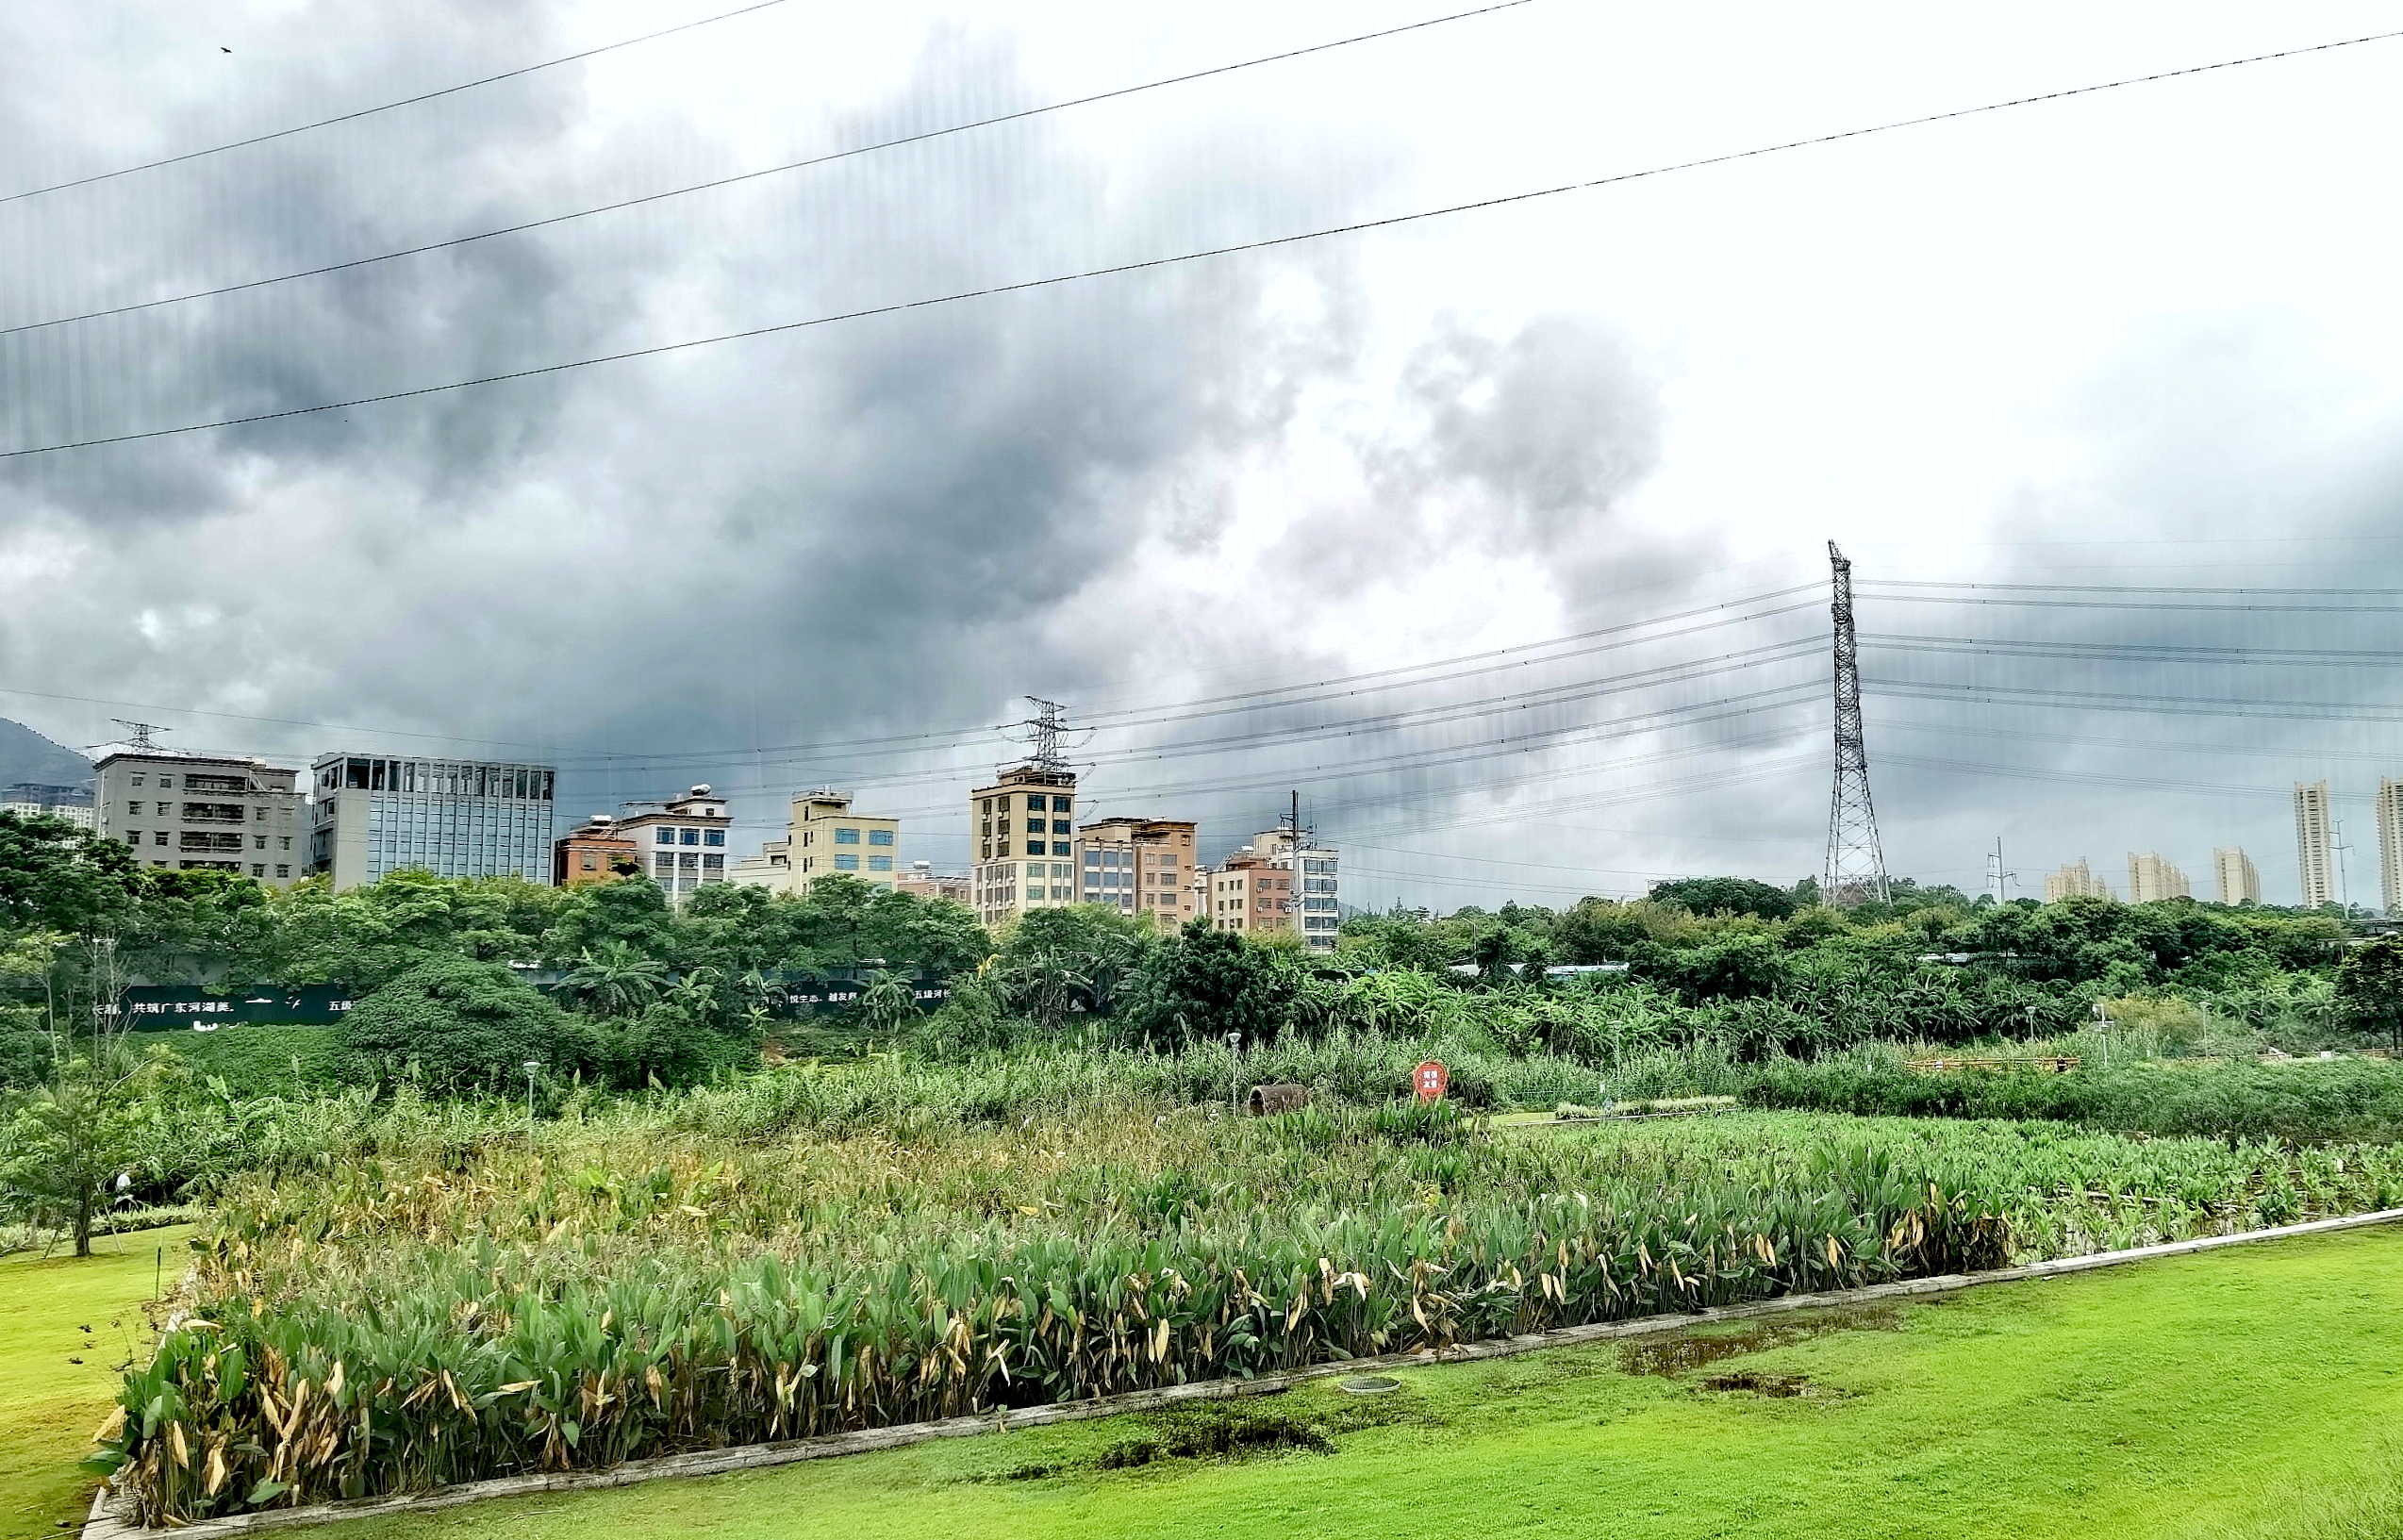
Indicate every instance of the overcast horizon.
{"type": "Point", "coordinates": [2141, 340]}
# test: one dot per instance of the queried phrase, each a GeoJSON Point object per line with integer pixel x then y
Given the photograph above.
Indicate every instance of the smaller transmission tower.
{"type": "Point", "coordinates": [138, 733]}
{"type": "Point", "coordinates": [1856, 867]}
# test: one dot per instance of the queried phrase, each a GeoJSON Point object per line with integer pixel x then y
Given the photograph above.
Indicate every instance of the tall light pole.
{"type": "Point", "coordinates": [1235, 1070]}
{"type": "Point", "coordinates": [531, 1066]}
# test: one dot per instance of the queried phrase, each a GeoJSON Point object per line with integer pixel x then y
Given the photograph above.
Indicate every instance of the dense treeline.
{"type": "Point", "coordinates": [651, 994]}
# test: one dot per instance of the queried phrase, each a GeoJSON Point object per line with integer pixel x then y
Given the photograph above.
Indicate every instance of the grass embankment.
{"type": "Point", "coordinates": [49, 1402]}
{"type": "Point", "coordinates": [2238, 1396]}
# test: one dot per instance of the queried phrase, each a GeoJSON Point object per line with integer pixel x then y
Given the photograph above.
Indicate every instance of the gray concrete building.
{"type": "Point", "coordinates": [373, 816]}
{"type": "Point", "coordinates": [184, 811]}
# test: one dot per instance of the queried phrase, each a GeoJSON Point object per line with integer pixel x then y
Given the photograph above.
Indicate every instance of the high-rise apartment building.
{"type": "Point", "coordinates": [1139, 865]}
{"type": "Point", "coordinates": [188, 812]}
{"type": "Point", "coordinates": [2073, 881]}
{"type": "Point", "coordinates": [2150, 879]}
{"type": "Point", "coordinates": [30, 798]}
{"type": "Point", "coordinates": [2239, 883]}
{"type": "Point", "coordinates": [1022, 831]}
{"type": "Point", "coordinates": [680, 843]}
{"type": "Point", "coordinates": [454, 817]}
{"type": "Point", "coordinates": [824, 838]}
{"type": "Point", "coordinates": [2315, 843]}
{"type": "Point", "coordinates": [2389, 845]}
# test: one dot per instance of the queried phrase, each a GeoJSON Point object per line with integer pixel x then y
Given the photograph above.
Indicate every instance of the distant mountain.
{"type": "Point", "coordinates": [27, 756]}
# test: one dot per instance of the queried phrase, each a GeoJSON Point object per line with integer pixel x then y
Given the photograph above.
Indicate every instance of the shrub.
{"type": "Point", "coordinates": [464, 1024]}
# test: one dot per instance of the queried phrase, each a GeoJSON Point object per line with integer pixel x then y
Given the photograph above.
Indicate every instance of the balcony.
{"type": "Point", "coordinates": [216, 812]}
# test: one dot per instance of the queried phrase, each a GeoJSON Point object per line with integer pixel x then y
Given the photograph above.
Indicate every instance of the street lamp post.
{"type": "Point", "coordinates": [1235, 1067]}
{"type": "Point", "coordinates": [531, 1066]}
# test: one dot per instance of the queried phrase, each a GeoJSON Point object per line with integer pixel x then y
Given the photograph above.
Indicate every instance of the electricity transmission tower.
{"type": "Point", "coordinates": [1044, 727]}
{"type": "Point", "coordinates": [1856, 867]}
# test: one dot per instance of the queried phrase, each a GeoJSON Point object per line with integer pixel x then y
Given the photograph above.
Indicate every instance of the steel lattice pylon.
{"type": "Point", "coordinates": [1856, 867]}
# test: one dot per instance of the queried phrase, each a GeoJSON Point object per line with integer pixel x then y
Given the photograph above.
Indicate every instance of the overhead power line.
{"type": "Point", "coordinates": [387, 106]}
{"type": "Point", "coordinates": [782, 169]}
{"type": "Point", "coordinates": [1182, 258]}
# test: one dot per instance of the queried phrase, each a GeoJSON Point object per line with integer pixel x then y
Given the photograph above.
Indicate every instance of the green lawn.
{"type": "Point", "coordinates": [57, 1378]}
{"type": "Point", "coordinates": [2247, 1393]}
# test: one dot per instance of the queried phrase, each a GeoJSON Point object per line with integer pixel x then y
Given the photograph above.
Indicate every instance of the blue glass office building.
{"type": "Point", "coordinates": [371, 816]}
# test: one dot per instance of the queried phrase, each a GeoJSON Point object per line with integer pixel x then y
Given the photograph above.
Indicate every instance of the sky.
{"type": "Point", "coordinates": [2122, 353]}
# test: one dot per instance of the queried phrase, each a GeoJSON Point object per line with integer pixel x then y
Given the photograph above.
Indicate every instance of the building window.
{"type": "Point", "coordinates": [283, 870]}
{"type": "Point", "coordinates": [715, 836]}
{"type": "Point", "coordinates": [665, 862]}
{"type": "Point", "coordinates": [166, 780]}
{"type": "Point", "coordinates": [666, 836]}
{"type": "Point", "coordinates": [258, 868]}
{"type": "Point", "coordinates": [287, 841]}
{"type": "Point", "coordinates": [846, 836]}
{"type": "Point", "coordinates": [1059, 847]}
{"type": "Point", "coordinates": [846, 863]}
{"type": "Point", "coordinates": [1092, 858]}
{"type": "Point", "coordinates": [713, 863]}
{"type": "Point", "coordinates": [1034, 802]}
{"type": "Point", "coordinates": [1003, 848]}
{"type": "Point", "coordinates": [1059, 826]}
{"type": "Point", "coordinates": [137, 780]}
{"type": "Point", "coordinates": [160, 837]}
{"type": "Point", "coordinates": [163, 810]}
{"type": "Point", "coordinates": [591, 862]}
{"type": "Point", "coordinates": [880, 836]}
{"type": "Point", "coordinates": [691, 836]}
{"type": "Point", "coordinates": [880, 863]}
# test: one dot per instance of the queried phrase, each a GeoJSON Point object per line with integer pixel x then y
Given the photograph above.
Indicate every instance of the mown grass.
{"type": "Point", "coordinates": [49, 1402]}
{"type": "Point", "coordinates": [2237, 1396]}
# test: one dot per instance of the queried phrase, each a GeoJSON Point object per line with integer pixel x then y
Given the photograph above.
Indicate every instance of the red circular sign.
{"type": "Point", "coordinates": [1431, 1078]}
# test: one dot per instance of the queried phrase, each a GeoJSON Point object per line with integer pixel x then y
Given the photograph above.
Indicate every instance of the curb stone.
{"type": "Point", "coordinates": [105, 1524]}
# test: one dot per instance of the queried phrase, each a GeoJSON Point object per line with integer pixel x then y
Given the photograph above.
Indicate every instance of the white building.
{"type": "Point", "coordinates": [194, 812]}
{"type": "Point", "coordinates": [371, 817]}
{"type": "Point", "coordinates": [30, 798]}
{"type": "Point", "coordinates": [680, 843]}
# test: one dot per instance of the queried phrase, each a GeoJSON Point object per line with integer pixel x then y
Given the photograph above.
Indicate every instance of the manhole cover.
{"type": "Point", "coordinates": [1371, 1384]}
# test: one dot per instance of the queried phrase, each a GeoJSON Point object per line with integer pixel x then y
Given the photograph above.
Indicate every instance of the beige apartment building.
{"type": "Point", "coordinates": [2239, 882]}
{"type": "Point", "coordinates": [824, 837]}
{"type": "Point", "coordinates": [2150, 879]}
{"type": "Point", "coordinates": [2315, 843]}
{"type": "Point", "coordinates": [2073, 881]}
{"type": "Point", "coordinates": [1022, 831]}
{"type": "Point", "coordinates": [1249, 893]}
{"type": "Point", "coordinates": [2389, 845]}
{"type": "Point", "coordinates": [188, 812]}
{"type": "Point", "coordinates": [1140, 866]}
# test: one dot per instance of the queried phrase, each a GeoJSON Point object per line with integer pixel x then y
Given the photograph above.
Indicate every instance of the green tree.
{"type": "Point", "coordinates": [614, 979]}
{"type": "Point", "coordinates": [55, 877]}
{"type": "Point", "coordinates": [67, 1139]}
{"type": "Point", "coordinates": [1202, 983]}
{"type": "Point", "coordinates": [1725, 896]}
{"type": "Point", "coordinates": [2369, 989]}
{"type": "Point", "coordinates": [464, 1024]}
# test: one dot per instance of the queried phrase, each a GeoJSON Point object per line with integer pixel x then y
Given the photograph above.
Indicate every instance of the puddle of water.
{"type": "Point", "coordinates": [1675, 1352]}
